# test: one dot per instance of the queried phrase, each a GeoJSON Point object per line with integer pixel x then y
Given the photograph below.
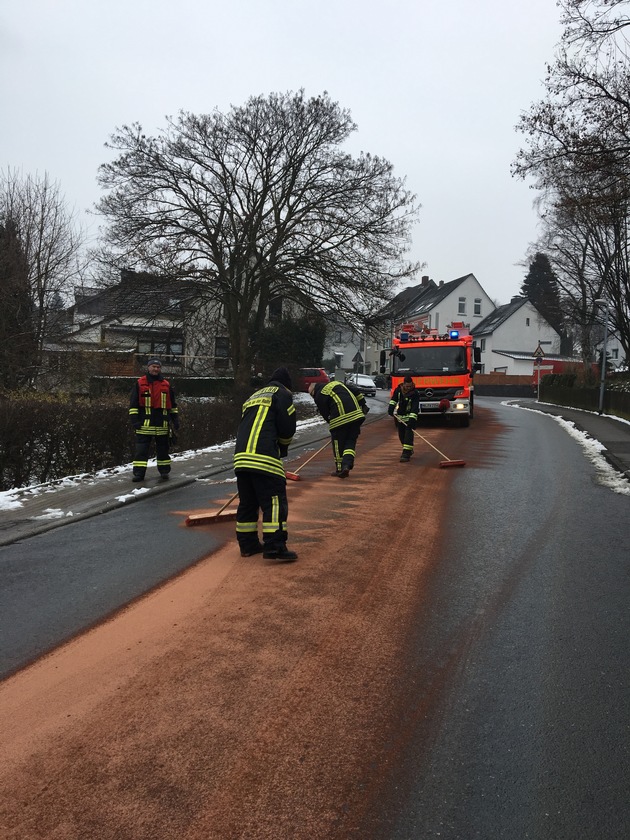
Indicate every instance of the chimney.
{"type": "Point", "coordinates": [441, 283]}
{"type": "Point", "coordinates": [425, 280]}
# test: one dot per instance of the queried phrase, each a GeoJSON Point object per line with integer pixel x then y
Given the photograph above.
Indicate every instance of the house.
{"type": "Point", "coordinates": [513, 336]}
{"type": "Point", "coordinates": [431, 305]}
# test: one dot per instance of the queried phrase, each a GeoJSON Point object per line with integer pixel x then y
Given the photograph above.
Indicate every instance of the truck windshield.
{"type": "Point", "coordinates": [428, 358]}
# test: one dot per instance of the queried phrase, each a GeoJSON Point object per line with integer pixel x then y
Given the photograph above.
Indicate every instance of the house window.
{"type": "Point", "coordinates": [614, 353]}
{"type": "Point", "coordinates": [275, 309]}
{"type": "Point", "coordinates": [527, 322]}
{"type": "Point", "coordinates": [477, 309]}
{"type": "Point", "coordinates": [461, 306]}
{"type": "Point", "coordinates": [222, 347]}
{"type": "Point", "coordinates": [482, 344]}
{"type": "Point", "coordinates": [167, 348]}
{"type": "Point", "coordinates": [338, 338]}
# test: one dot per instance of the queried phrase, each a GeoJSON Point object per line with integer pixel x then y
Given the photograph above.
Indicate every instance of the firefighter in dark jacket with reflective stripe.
{"type": "Point", "coordinates": [344, 408]}
{"type": "Point", "coordinates": [404, 407]}
{"type": "Point", "coordinates": [152, 407]}
{"type": "Point", "coordinates": [266, 429]}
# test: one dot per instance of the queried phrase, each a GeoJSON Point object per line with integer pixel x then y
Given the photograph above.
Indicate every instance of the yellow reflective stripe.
{"type": "Point", "coordinates": [246, 527]}
{"type": "Point", "coordinates": [252, 443]}
{"type": "Point", "coordinates": [163, 399]}
{"type": "Point", "coordinates": [346, 418]}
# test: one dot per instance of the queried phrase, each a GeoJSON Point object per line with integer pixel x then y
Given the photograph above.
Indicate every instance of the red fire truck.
{"type": "Point", "coordinates": [442, 367]}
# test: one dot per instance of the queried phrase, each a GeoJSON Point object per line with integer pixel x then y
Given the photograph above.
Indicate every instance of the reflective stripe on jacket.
{"type": "Point", "coordinates": [267, 426]}
{"type": "Point", "coordinates": [152, 403]}
{"type": "Point", "coordinates": [339, 404]}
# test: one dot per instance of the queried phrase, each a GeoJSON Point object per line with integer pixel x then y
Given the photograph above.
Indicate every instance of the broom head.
{"type": "Point", "coordinates": [208, 517]}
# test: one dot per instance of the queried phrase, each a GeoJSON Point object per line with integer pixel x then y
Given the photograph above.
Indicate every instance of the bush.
{"type": "Point", "coordinates": [45, 437]}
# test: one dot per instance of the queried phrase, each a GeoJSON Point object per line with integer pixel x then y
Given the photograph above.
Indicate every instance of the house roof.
{"type": "Point", "coordinates": [138, 293]}
{"type": "Point", "coordinates": [417, 300]}
{"type": "Point", "coordinates": [527, 355]}
{"type": "Point", "coordinates": [435, 295]}
{"type": "Point", "coordinates": [498, 316]}
{"type": "Point", "coordinates": [407, 300]}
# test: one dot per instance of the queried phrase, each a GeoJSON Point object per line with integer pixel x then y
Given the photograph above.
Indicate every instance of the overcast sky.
{"type": "Point", "coordinates": [434, 86]}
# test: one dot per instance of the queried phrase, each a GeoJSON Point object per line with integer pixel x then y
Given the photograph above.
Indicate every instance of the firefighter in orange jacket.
{"type": "Point", "coordinates": [152, 407]}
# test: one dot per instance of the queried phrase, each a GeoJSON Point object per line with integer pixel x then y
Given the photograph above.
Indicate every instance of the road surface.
{"type": "Point", "coordinates": [448, 658]}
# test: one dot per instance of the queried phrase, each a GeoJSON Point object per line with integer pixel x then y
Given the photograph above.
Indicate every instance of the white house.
{"type": "Point", "coordinates": [509, 338]}
{"type": "Point", "coordinates": [429, 304]}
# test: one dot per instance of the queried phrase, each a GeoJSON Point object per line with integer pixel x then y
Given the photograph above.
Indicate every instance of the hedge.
{"type": "Point", "coordinates": [45, 438]}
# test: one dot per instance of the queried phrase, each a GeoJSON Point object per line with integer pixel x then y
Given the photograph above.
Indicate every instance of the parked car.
{"type": "Point", "coordinates": [364, 383]}
{"type": "Point", "coordinates": [310, 375]}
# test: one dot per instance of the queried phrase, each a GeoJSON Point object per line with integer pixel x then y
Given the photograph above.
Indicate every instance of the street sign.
{"type": "Point", "coordinates": [538, 352]}
{"type": "Point", "coordinates": [358, 358]}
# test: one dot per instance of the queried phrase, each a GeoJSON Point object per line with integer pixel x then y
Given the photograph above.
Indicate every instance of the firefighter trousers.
{"type": "Point", "coordinates": [405, 436]}
{"type": "Point", "coordinates": [260, 491]}
{"type": "Point", "coordinates": [344, 443]}
{"type": "Point", "coordinates": [141, 457]}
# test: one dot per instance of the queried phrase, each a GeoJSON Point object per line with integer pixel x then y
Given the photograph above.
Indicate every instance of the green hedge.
{"type": "Point", "coordinates": [44, 437]}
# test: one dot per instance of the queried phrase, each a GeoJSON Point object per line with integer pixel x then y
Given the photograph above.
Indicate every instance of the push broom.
{"type": "Point", "coordinates": [205, 518]}
{"type": "Point", "coordinates": [447, 462]}
{"type": "Point", "coordinates": [293, 476]}
{"type": "Point", "coordinates": [223, 515]}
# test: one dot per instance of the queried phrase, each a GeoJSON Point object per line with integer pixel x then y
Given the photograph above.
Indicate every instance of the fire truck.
{"type": "Point", "coordinates": [442, 367]}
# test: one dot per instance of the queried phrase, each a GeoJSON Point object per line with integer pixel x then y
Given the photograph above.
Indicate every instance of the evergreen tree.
{"type": "Point", "coordinates": [541, 288]}
{"type": "Point", "coordinates": [18, 346]}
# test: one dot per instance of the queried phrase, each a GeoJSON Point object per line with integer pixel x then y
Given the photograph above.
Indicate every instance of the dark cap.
{"type": "Point", "coordinates": [282, 376]}
{"type": "Point", "coordinates": [154, 362]}
{"type": "Point", "coordinates": [408, 379]}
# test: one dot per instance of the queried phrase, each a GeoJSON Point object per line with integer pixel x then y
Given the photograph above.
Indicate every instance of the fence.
{"type": "Point", "coordinates": [616, 403]}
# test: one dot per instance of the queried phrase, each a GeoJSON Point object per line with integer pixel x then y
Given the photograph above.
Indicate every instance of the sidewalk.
{"type": "Point", "coordinates": [612, 432]}
{"type": "Point", "coordinates": [36, 509]}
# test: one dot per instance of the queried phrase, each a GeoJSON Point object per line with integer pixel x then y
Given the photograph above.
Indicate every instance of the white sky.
{"type": "Point", "coordinates": [435, 86]}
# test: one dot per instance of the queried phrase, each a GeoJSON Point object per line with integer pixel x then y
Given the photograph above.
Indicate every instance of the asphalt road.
{"type": "Point", "coordinates": [511, 720]}
{"type": "Point", "coordinates": [515, 720]}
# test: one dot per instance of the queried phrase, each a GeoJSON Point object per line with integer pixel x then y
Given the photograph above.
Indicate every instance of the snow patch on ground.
{"type": "Point", "coordinates": [606, 475]}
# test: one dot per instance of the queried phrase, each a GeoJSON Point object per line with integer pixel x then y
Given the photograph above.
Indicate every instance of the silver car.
{"type": "Point", "coordinates": [364, 383]}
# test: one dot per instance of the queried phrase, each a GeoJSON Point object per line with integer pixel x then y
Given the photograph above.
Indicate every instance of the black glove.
{"type": "Point", "coordinates": [390, 411]}
{"type": "Point", "coordinates": [365, 408]}
{"type": "Point", "coordinates": [175, 423]}
{"type": "Point", "coordinates": [284, 450]}
{"type": "Point", "coordinates": [136, 424]}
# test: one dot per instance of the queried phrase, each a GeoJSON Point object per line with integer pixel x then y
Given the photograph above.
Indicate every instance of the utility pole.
{"type": "Point", "coordinates": [602, 383]}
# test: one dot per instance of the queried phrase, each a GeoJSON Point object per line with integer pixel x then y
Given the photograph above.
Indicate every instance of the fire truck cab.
{"type": "Point", "coordinates": [442, 366]}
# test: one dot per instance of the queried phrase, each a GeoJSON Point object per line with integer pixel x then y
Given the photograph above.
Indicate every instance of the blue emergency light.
{"type": "Point", "coordinates": [453, 334]}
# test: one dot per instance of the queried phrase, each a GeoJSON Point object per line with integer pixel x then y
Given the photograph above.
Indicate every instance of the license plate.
{"type": "Point", "coordinates": [432, 406]}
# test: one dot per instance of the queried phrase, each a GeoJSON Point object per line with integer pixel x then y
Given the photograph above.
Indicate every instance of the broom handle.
{"type": "Point", "coordinates": [229, 502]}
{"type": "Point", "coordinates": [295, 472]}
{"type": "Point", "coordinates": [417, 434]}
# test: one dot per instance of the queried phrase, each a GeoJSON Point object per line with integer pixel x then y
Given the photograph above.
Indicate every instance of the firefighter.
{"type": "Point", "coordinates": [266, 429]}
{"type": "Point", "coordinates": [152, 407]}
{"type": "Point", "coordinates": [344, 408]}
{"type": "Point", "coordinates": [404, 407]}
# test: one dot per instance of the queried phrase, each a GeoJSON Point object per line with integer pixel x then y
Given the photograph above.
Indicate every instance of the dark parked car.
{"type": "Point", "coordinates": [364, 383]}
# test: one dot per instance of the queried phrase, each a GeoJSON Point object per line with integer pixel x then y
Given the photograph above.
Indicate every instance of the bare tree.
{"type": "Point", "coordinates": [50, 242]}
{"type": "Point", "coordinates": [260, 203]}
{"type": "Point", "coordinates": [578, 152]}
